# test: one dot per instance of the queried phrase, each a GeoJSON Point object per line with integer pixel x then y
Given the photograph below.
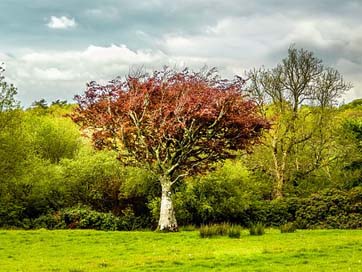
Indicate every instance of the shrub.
{"type": "Point", "coordinates": [234, 231]}
{"type": "Point", "coordinates": [49, 221]}
{"type": "Point", "coordinates": [331, 209]}
{"type": "Point", "coordinates": [219, 196]}
{"type": "Point", "coordinates": [257, 229]}
{"type": "Point", "coordinates": [221, 229]}
{"type": "Point", "coordinates": [288, 228]}
{"type": "Point", "coordinates": [83, 217]}
{"type": "Point", "coordinates": [207, 231]}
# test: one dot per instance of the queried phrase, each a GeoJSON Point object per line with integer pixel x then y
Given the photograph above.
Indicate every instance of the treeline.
{"type": "Point", "coordinates": [307, 168]}
{"type": "Point", "coordinates": [52, 177]}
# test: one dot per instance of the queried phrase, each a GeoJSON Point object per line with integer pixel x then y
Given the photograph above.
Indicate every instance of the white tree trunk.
{"type": "Point", "coordinates": [167, 220]}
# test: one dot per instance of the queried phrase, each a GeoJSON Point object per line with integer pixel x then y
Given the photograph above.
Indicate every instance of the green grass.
{"type": "Point", "coordinates": [77, 251]}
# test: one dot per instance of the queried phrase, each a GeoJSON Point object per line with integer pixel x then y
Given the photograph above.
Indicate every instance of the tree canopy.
{"type": "Point", "coordinates": [175, 123]}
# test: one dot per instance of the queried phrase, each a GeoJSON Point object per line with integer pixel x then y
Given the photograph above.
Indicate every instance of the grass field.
{"type": "Point", "coordinates": [85, 250]}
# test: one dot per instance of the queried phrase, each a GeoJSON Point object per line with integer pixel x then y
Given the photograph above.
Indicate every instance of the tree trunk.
{"type": "Point", "coordinates": [279, 170]}
{"type": "Point", "coordinates": [167, 220]}
{"type": "Point", "coordinates": [278, 188]}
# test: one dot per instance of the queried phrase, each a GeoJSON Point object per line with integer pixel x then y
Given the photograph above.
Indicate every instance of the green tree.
{"type": "Point", "coordinates": [54, 138]}
{"type": "Point", "coordinates": [298, 96]}
{"type": "Point", "coordinates": [350, 144]}
{"type": "Point", "coordinates": [12, 135]}
{"type": "Point", "coordinates": [40, 104]}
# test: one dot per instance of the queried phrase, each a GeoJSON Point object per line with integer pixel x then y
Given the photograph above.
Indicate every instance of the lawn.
{"type": "Point", "coordinates": [87, 250]}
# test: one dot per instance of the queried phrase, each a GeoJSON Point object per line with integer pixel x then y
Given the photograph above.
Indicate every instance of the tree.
{"type": "Point", "coordinates": [61, 103]}
{"type": "Point", "coordinates": [7, 94]}
{"type": "Point", "coordinates": [12, 136]}
{"type": "Point", "coordinates": [40, 104]}
{"type": "Point", "coordinates": [173, 123]}
{"type": "Point", "coordinates": [298, 95]}
{"type": "Point", "coordinates": [350, 144]}
{"type": "Point", "coordinates": [54, 138]}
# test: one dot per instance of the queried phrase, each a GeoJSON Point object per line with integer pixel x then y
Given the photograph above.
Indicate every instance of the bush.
{"type": "Point", "coordinates": [331, 209]}
{"type": "Point", "coordinates": [49, 221]}
{"type": "Point", "coordinates": [288, 228]}
{"type": "Point", "coordinates": [83, 217]}
{"type": "Point", "coordinates": [208, 231]}
{"type": "Point", "coordinates": [257, 229]}
{"type": "Point", "coordinates": [219, 196]}
{"type": "Point", "coordinates": [222, 229]}
{"type": "Point", "coordinates": [234, 231]}
{"type": "Point", "coordinates": [270, 213]}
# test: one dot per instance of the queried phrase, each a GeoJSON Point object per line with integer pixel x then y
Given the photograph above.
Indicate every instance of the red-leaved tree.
{"type": "Point", "coordinates": [174, 123]}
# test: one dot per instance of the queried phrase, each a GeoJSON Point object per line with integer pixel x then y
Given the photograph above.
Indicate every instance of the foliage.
{"type": "Point", "coordinates": [82, 217]}
{"type": "Point", "coordinates": [352, 147]}
{"type": "Point", "coordinates": [219, 196]}
{"type": "Point", "coordinates": [224, 229]}
{"type": "Point", "coordinates": [94, 179]}
{"type": "Point", "coordinates": [331, 209]}
{"type": "Point", "coordinates": [14, 145]}
{"type": "Point", "coordinates": [208, 231]}
{"type": "Point", "coordinates": [85, 218]}
{"type": "Point", "coordinates": [257, 229]}
{"type": "Point", "coordinates": [54, 138]}
{"type": "Point", "coordinates": [170, 118]}
{"type": "Point", "coordinates": [298, 95]}
{"type": "Point", "coordinates": [173, 123]}
{"type": "Point", "coordinates": [32, 184]}
{"type": "Point", "coordinates": [234, 231]}
{"type": "Point", "coordinates": [288, 227]}
{"type": "Point", "coordinates": [357, 103]}
{"type": "Point", "coordinates": [40, 104]}
{"type": "Point", "coordinates": [39, 191]}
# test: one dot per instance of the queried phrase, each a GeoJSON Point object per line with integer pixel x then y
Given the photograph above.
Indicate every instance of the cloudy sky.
{"type": "Point", "coordinates": [52, 48]}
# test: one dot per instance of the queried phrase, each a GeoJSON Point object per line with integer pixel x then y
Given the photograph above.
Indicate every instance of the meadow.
{"type": "Point", "coordinates": [89, 250]}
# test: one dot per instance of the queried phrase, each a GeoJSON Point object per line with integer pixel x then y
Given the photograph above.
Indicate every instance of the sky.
{"type": "Point", "coordinates": [51, 49]}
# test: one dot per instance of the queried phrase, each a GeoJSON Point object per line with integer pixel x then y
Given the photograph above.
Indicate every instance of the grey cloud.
{"type": "Point", "coordinates": [230, 34]}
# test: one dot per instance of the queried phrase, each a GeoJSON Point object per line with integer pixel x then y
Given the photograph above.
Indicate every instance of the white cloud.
{"type": "Point", "coordinates": [4, 57]}
{"type": "Point", "coordinates": [62, 74]}
{"type": "Point", "coordinates": [62, 22]}
{"type": "Point", "coordinates": [94, 60]}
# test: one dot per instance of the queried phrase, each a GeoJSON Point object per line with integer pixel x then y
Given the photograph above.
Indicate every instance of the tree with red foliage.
{"type": "Point", "coordinates": [175, 123]}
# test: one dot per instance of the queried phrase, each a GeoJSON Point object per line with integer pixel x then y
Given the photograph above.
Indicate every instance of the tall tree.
{"type": "Point", "coordinates": [173, 123]}
{"type": "Point", "coordinates": [10, 129]}
{"type": "Point", "coordinates": [298, 95]}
